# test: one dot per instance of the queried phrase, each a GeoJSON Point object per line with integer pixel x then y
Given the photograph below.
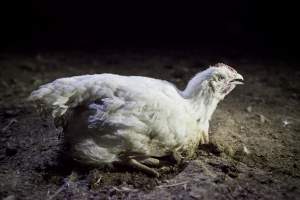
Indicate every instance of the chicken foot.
{"type": "Point", "coordinates": [143, 167]}
{"type": "Point", "coordinates": [146, 164]}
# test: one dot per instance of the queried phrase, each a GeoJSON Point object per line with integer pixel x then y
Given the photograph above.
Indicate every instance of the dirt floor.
{"type": "Point", "coordinates": [255, 132]}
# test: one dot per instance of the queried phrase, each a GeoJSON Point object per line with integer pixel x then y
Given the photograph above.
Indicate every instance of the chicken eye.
{"type": "Point", "coordinates": [219, 77]}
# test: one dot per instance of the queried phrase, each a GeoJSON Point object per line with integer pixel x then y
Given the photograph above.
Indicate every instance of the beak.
{"type": "Point", "coordinates": [238, 80]}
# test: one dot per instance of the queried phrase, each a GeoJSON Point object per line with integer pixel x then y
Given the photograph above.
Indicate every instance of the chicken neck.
{"type": "Point", "coordinates": [202, 99]}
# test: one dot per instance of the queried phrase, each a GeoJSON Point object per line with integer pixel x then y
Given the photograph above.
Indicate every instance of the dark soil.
{"type": "Point", "coordinates": [255, 132]}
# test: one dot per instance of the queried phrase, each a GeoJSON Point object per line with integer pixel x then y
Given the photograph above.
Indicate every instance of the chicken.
{"type": "Point", "coordinates": [135, 120]}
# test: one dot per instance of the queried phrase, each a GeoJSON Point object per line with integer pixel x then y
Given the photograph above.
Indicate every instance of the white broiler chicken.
{"type": "Point", "coordinates": [135, 120]}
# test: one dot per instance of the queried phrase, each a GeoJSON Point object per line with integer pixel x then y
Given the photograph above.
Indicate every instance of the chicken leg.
{"type": "Point", "coordinates": [142, 167]}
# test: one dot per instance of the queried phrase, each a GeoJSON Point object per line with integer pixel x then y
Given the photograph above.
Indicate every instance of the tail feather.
{"type": "Point", "coordinates": [58, 96]}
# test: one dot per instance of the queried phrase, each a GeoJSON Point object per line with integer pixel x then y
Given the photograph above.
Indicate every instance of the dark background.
{"type": "Point", "coordinates": [268, 28]}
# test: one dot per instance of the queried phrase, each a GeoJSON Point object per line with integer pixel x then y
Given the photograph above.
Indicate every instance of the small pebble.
{"type": "Point", "coordinates": [285, 123]}
{"type": "Point", "coordinates": [245, 150]}
{"type": "Point", "coordinates": [249, 109]}
{"type": "Point", "coordinates": [242, 128]}
{"type": "Point", "coordinates": [262, 119]}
